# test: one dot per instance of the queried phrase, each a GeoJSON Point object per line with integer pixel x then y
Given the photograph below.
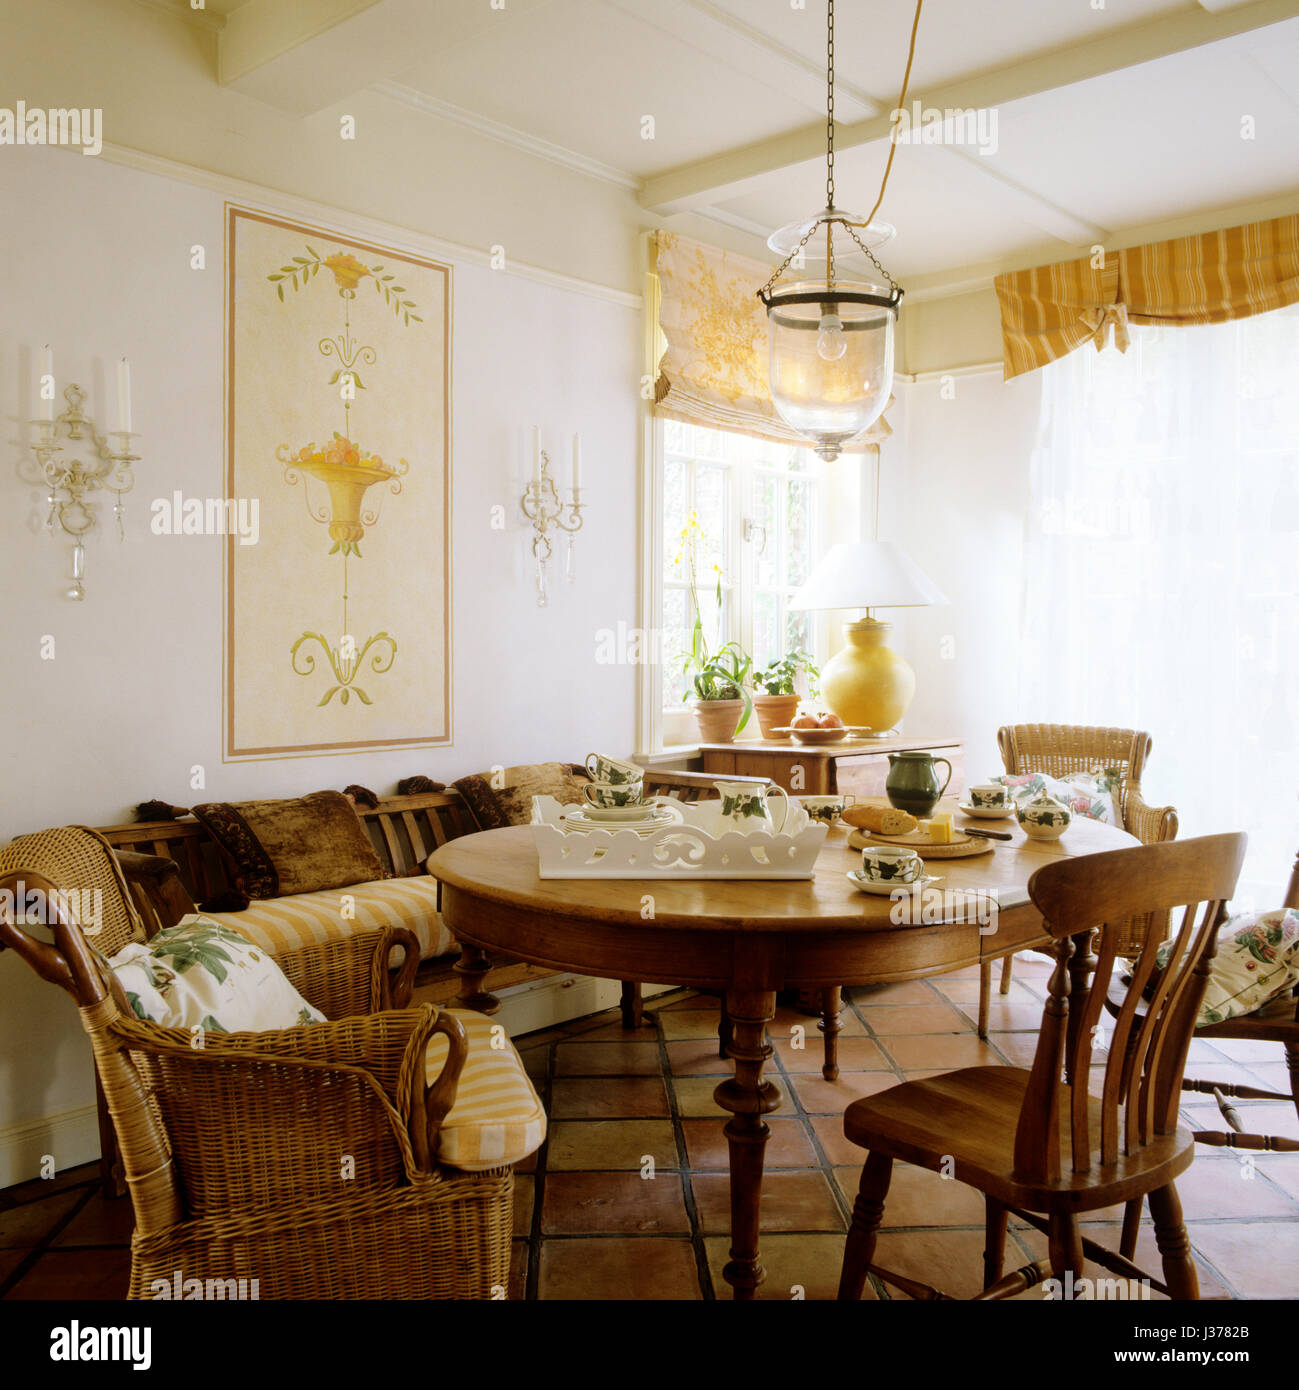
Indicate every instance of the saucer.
{"type": "Point", "coordinates": [646, 821]}
{"type": "Point", "coordinates": [988, 812]}
{"type": "Point", "coordinates": [884, 890]}
{"type": "Point", "coordinates": [611, 813]}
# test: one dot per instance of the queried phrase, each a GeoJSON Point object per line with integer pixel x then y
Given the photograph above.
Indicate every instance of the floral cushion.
{"type": "Point", "coordinates": [1257, 959]}
{"type": "Point", "coordinates": [199, 974]}
{"type": "Point", "coordinates": [1091, 794]}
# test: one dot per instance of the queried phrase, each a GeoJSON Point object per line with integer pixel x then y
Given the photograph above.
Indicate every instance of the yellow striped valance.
{"type": "Point", "coordinates": [711, 345]}
{"type": "Point", "coordinates": [1235, 273]}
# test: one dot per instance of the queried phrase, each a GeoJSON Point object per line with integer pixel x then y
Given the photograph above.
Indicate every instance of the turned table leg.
{"type": "Point", "coordinates": [472, 967]}
{"type": "Point", "coordinates": [830, 1026]}
{"type": "Point", "coordinates": [632, 1005]}
{"type": "Point", "coordinates": [748, 1098]}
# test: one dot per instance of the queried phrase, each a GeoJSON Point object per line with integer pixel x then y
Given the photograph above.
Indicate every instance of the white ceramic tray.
{"type": "Point", "coordinates": [695, 849]}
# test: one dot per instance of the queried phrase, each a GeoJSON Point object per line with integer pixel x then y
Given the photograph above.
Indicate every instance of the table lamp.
{"type": "Point", "coordinates": [867, 684]}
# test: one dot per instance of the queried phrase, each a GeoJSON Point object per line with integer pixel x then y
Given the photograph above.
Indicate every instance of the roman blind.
{"type": "Point", "coordinates": [1215, 277]}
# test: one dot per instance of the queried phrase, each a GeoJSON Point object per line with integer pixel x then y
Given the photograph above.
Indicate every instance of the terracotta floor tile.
{"type": "Point", "coordinates": [1009, 1018]}
{"type": "Point", "coordinates": [525, 1190]}
{"type": "Point", "coordinates": [918, 1018]}
{"type": "Point", "coordinates": [790, 1202]}
{"type": "Point", "coordinates": [820, 1097]}
{"type": "Point", "coordinates": [943, 1053]}
{"type": "Point", "coordinates": [838, 1150]}
{"type": "Point", "coordinates": [607, 1059]}
{"type": "Point", "coordinates": [1216, 1188]}
{"type": "Point", "coordinates": [626, 1268]}
{"type": "Point", "coordinates": [591, 1023]}
{"type": "Point", "coordinates": [1147, 1257]}
{"type": "Point", "coordinates": [76, 1274]}
{"type": "Point", "coordinates": [615, 1032]}
{"type": "Point", "coordinates": [1243, 1050]}
{"type": "Point", "coordinates": [608, 1097]}
{"type": "Point", "coordinates": [904, 992]}
{"type": "Point", "coordinates": [855, 1054]}
{"type": "Point", "coordinates": [967, 991]}
{"type": "Point", "coordinates": [798, 1266]}
{"type": "Point", "coordinates": [1017, 1048]}
{"type": "Point", "coordinates": [9, 1261]}
{"type": "Point", "coordinates": [695, 1095]}
{"type": "Point", "coordinates": [782, 1027]}
{"type": "Point", "coordinates": [1258, 1259]}
{"type": "Point", "coordinates": [950, 1260]}
{"type": "Point", "coordinates": [690, 999]}
{"type": "Point", "coordinates": [536, 1062]}
{"type": "Point", "coordinates": [596, 1144]}
{"type": "Point", "coordinates": [518, 1285]}
{"type": "Point", "coordinates": [102, 1221]}
{"type": "Point", "coordinates": [697, 1057]}
{"type": "Point", "coordinates": [27, 1225]}
{"type": "Point", "coordinates": [918, 1197]}
{"type": "Point", "coordinates": [80, 1176]}
{"type": "Point", "coordinates": [788, 1147]}
{"type": "Point", "coordinates": [1281, 1169]}
{"type": "Point", "coordinates": [614, 1203]}
{"type": "Point", "coordinates": [679, 1024]}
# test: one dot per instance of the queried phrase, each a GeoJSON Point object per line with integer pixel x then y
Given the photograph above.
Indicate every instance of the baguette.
{"type": "Point", "coordinates": [882, 820]}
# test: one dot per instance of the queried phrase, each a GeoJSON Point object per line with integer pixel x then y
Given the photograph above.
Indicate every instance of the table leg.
{"type": "Point", "coordinates": [748, 1098]}
{"type": "Point", "coordinates": [831, 1005]}
{"type": "Point", "coordinates": [473, 967]}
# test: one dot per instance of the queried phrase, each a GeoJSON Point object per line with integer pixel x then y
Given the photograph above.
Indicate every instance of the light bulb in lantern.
{"type": "Point", "coordinates": [831, 341]}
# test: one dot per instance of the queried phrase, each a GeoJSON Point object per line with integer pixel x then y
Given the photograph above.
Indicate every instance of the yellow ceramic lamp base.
{"type": "Point", "coordinates": [867, 683]}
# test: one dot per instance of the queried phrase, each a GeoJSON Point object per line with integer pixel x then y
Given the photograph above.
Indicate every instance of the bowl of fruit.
{"type": "Point", "coordinates": [816, 728]}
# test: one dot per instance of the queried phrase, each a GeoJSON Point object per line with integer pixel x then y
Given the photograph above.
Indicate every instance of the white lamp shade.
{"type": "Point", "coordinates": [867, 574]}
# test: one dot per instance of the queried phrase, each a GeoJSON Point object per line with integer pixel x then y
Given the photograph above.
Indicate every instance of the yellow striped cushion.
{"type": "Point", "coordinates": [497, 1118]}
{"type": "Point", "coordinates": [281, 925]}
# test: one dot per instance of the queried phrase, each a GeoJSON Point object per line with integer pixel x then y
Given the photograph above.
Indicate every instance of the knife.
{"type": "Point", "coordinates": [986, 834]}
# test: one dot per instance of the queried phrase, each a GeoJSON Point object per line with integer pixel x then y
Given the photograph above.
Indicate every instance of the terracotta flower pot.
{"type": "Point", "coordinates": [775, 712]}
{"type": "Point", "coordinates": [717, 719]}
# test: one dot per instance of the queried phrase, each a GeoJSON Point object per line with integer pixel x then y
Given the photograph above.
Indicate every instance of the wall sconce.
{"type": "Point", "coordinates": [69, 481]}
{"type": "Point", "coordinates": [544, 508]}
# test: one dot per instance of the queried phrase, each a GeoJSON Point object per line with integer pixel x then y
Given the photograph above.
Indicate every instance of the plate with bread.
{"type": "Point", "coordinates": [936, 838]}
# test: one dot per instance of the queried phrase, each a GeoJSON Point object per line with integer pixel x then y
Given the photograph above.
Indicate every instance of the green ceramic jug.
{"type": "Point", "coordinates": [913, 782]}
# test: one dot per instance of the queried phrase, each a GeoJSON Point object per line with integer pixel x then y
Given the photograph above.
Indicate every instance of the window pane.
{"type": "Point", "coordinates": [676, 640]}
{"type": "Point", "coordinates": [676, 508]}
{"type": "Point", "coordinates": [798, 532]}
{"type": "Point", "coordinates": [766, 547]}
{"type": "Point", "coordinates": [766, 629]}
{"type": "Point", "coordinates": [798, 632]}
{"type": "Point", "coordinates": [710, 505]}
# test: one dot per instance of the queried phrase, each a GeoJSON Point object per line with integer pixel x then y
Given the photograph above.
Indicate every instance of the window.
{"type": "Point", "coordinates": [759, 514]}
{"type": "Point", "coordinates": [1167, 517]}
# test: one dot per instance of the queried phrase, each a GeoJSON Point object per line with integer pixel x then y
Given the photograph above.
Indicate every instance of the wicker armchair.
{"type": "Point", "coordinates": [299, 1158]}
{"type": "Point", "coordinates": [1057, 750]}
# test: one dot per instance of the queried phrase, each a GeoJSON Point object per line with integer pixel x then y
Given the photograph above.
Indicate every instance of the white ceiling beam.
{"type": "Point", "coordinates": [735, 171]}
{"type": "Point", "coordinates": [260, 31]}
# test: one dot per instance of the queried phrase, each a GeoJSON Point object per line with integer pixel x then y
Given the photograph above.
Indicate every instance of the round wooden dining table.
{"type": "Point", "coordinates": [746, 939]}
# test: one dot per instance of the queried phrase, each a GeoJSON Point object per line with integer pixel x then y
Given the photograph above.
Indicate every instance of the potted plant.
{"type": "Point", "coordinates": [718, 678]}
{"type": "Point", "coordinates": [722, 704]}
{"type": "Point", "coordinates": [775, 697]}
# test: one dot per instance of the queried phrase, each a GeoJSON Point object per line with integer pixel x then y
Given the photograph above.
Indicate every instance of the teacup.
{"type": "Point", "coordinates": [891, 864]}
{"type": "Point", "coordinates": [604, 769]}
{"type": "Point", "coordinates": [612, 795]}
{"type": "Point", "coordinates": [745, 807]}
{"type": "Point", "coordinates": [826, 810]}
{"type": "Point", "coordinates": [991, 796]}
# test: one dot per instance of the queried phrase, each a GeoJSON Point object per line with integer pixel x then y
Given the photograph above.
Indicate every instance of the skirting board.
{"type": "Point", "coordinates": [72, 1138]}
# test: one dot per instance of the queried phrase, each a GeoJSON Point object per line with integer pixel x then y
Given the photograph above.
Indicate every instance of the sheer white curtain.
{"type": "Point", "coordinates": [1161, 586]}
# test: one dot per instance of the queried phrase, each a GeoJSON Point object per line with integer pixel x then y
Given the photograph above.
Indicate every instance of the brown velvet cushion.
{"type": "Point", "coordinates": [298, 846]}
{"type": "Point", "coordinates": [504, 797]}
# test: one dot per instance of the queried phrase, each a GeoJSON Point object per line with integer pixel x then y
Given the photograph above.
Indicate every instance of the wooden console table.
{"type": "Point", "coordinates": [859, 766]}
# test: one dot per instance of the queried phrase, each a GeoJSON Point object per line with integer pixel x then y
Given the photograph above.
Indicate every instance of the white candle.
{"type": "Point", "coordinates": [47, 373]}
{"type": "Point", "coordinates": [124, 395]}
{"type": "Point", "coordinates": [536, 454]}
{"type": "Point", "coordinates": [577, 462]}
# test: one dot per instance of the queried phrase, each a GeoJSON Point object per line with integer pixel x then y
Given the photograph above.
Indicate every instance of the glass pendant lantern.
{"type": "Point", "coordinates": [830, 337]}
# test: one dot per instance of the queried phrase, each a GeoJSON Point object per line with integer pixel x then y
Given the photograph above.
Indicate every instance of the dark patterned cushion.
{"type": "Point", "coordinates": [504, 795]}
{"type": "Point", "coordinates": [298, 846]}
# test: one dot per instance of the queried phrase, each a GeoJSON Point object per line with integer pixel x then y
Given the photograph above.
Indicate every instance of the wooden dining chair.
{"type": "Point", "coordinates": [699, 786]}
{"type": "Point", "coordinates": [1057, 750]}
{"type": "Point", "coordinates": [1044, 1144]}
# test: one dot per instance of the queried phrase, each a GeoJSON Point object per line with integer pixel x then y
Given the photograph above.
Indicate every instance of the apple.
{"type": "Point", "coordinates": [829, 721]}
{"type": "Point", "coordinates": [806, 721]}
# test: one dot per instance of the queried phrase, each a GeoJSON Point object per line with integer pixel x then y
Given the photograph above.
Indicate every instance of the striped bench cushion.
{"type": "Point", "coordinates": [281, 925]}
{"type": "Point", "coordinates": [497, 1117]}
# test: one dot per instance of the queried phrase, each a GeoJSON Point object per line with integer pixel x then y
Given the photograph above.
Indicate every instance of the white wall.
{"type": "Point", "coordinates": [954, 496]}
{"type": "Point", "coordinates": [97, 264]}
